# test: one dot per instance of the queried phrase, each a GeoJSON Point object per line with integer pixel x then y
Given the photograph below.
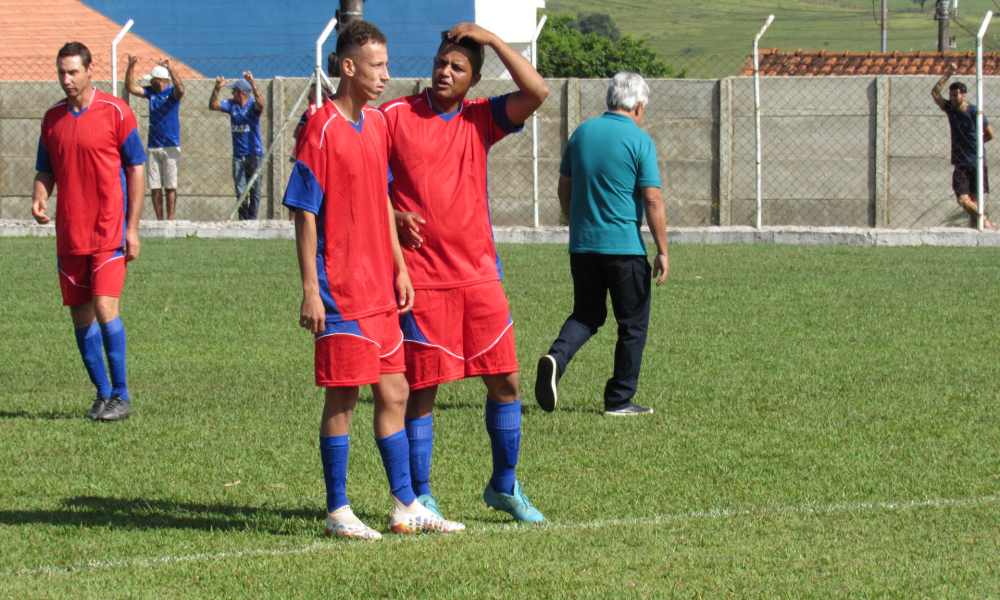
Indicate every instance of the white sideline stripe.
{"type": "Point", "coordinates": [510, 528]}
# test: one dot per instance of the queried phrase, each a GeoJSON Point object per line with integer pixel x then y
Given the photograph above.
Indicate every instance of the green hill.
{"type": "Point", "coordinates": [713, 37]}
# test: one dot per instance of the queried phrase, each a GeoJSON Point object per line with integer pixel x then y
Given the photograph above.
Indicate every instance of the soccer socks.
{"type": "Point", "coordinates": [503, 424]}
{"type": "Point", "coordinates": [114, 346]}
{"type": "Point", "coordinates": [420, 434]}
{"type": "Point", "coordinates": [333, 450]}
{"type": "Point", "coordinates": [88, 340]}
{"type": "Point", "coordinates": [395, 451]}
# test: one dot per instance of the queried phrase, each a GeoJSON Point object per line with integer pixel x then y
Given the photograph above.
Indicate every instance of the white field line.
{"type": "Point", "coordinates": [510, 528]}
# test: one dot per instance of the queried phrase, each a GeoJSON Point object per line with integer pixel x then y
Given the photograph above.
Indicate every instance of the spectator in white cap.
{"type": "Point", "coordinates": [244, 117]}
{"type": "Point", "coordinates": [164, 93]}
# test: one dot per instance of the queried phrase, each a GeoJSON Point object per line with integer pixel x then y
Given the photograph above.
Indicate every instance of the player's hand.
{"type": "Point", "coordinates": [473, 32]}
{"type": "Point", "coordinates": [408, 229]}
{"type": "Point", "coordinates": [248, 76]}
{"type": "Point", "coordinates": [219, 82]}
{"type": "Point", "coordinates": [38, 211]}
{"type": "Point", "coordinates": [313, 314]}
{"type": "Point", "coordinates": [132, 60]}
{"type": "Point", "coordinates": [131, 245]}
{"type": "Point", "coordinates": [952, 67]}
{"type": "Point", "coordinates": [405, 293]}
{"type": "Point", "coordinates": [661, 267]}
{"type": "Point", "coordinates": [165, 63]}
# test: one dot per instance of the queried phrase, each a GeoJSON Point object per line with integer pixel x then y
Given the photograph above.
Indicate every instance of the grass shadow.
{"type": "Point", "coordinates": [43, 415]}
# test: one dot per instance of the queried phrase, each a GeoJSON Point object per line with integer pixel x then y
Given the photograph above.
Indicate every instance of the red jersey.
{"type": "Point", "coordinates": [86, 153]}
{"type": "Point", "coordinates": [340, 176]}
{"type": "Point", "coordinates": [438, 163]}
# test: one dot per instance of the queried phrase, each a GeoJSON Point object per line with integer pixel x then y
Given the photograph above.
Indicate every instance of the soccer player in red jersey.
{"type": "Point", "coordinates": [461, 325]}
{"type": "Point", "coordinates": [90, 151]}
{"type": "Point", "coordinates": [348, 252]}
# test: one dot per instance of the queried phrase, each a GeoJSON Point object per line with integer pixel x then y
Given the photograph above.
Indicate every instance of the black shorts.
{"type": "Point", "coordinates": [963, 181]}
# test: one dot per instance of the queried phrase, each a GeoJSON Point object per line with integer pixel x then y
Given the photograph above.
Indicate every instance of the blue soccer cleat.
{"type": "Point", "coordinates": [516, 505]}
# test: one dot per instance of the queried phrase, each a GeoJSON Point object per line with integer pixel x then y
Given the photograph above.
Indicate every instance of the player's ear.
{"type": "Point", "coordinates": [347, 67]}
{"type": "Point", "coordinates": [476, 79]}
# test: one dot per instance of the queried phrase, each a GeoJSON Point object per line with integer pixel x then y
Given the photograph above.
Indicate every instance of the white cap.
{"type": "Point", "coordinates": [158, 72]}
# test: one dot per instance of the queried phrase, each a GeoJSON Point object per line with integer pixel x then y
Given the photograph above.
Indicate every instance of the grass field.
{"type": "Point", "coordinates": [826, 426]}
{"type": "Point", "coordinates": [713, 38]}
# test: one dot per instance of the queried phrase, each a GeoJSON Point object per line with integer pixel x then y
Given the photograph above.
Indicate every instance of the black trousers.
{"type": "Point", "coordinates": [628, 279]}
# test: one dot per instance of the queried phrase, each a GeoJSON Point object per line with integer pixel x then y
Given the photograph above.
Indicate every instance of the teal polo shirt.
{"type": "Point", "coordinates": [609, 160]}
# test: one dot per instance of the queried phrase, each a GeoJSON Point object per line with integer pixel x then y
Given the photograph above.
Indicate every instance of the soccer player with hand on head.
{"type": "Point", "coordinates": [349, 258]}
{"type": "Point", "coordinates": [89, 142]}
{"type": "Point", "coordinates": [461, 326]}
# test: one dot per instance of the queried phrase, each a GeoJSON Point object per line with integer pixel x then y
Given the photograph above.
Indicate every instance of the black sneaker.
{"type": "Point", "coordinates": [115, 410]}
{"type": "Point", "coordinates": [546, 383]}
{"type": "Point", "coordinates": [627, 410]}
{"type": "Point", "coordinates": [98, 407]}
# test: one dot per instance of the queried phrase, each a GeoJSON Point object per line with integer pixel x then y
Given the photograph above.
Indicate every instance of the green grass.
{"type": "Point", "coordinates": [713, 38]}
{"type": "Point", "coordinates": [825, 426]}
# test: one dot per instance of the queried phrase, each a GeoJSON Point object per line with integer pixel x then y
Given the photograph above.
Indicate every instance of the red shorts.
{"type": "Point", "coordinates": [459, 332]}
{"type": "Point", "coordinates": [85, 276]}
{"type": "Point", "coordinates": [359, 352]}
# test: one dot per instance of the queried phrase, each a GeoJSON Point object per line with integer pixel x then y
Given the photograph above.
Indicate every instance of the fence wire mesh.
{"type": "Point", "coordinates": [836, 151]}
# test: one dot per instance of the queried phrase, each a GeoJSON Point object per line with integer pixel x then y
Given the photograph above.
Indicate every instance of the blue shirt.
{"type": "Point", "coordinates": [164, 126]}
{"type": "Point", "coordinates": [245, 122]}
{"type": "Point", "coordinates": [609, 160]}
{"type": "Point", "coordinates": [963, 135]}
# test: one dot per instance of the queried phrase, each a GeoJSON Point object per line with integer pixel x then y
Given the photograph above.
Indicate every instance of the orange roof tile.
{"type": "Point", "coordinates": [798, 63]}
{"type": "Point", "coordinates": [31, 34]}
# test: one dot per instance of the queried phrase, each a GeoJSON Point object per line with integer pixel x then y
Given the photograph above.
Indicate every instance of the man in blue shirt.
{"type": "Point", "coordinates": [164, 93]}
{"type": "Point", "coordinates": [244, 117]}
{"type": "Point", "coordinates": [607, 177]}
{"type": "Point", "coordinates": [962, 122]}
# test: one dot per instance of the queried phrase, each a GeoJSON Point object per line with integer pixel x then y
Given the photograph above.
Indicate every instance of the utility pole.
{"type": "Point", "coordinates": [350, 11]}
{"type": "Point", "coordinates": [941, 14]}
{"type": "Point", "coordinates": [885, 14]}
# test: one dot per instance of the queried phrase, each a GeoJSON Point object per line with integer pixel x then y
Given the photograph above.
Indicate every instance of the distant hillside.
{"type": "Point", "coordinates": [713, 37]}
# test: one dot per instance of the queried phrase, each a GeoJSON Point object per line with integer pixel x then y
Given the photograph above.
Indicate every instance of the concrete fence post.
{"type": "Point", "coordinates": [572, 106]}
{"type": "Point", "coordinates": [881, 151]}
{"type": "Point", "coordinates": [276, 170]}
{"type": "Point", "coordinates": [725, 151]}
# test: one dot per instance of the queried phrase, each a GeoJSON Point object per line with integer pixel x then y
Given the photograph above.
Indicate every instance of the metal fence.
{"type": "Point", "coordinates": [836, 151]}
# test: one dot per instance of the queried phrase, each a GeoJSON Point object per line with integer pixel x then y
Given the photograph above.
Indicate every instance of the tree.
{"type": "Point", "coordinates": [563, 51]}
{"type": "Point", "coordinates": [921, 3]}
{"type": "Point", "coordinates": [598, 24]}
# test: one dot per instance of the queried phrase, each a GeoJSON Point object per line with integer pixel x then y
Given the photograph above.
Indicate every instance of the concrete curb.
{"type": "Point", "coordinates": [830, 236]}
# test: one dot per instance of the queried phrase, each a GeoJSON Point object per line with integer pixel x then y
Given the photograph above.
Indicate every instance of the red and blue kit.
{"type": "Point", "coordinates": [340, 176]}
{"type": "Point", "coordinates": [87, 152]}
{"type": "Point", "coordinates": [438, 161]}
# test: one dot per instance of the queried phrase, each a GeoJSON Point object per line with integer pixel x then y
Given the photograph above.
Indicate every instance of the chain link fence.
{"type": "Point", "coordinates": [836, 151]}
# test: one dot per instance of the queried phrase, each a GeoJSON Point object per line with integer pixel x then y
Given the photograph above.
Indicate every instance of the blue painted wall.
{"type": "Point", "coordinates": [278, 37]}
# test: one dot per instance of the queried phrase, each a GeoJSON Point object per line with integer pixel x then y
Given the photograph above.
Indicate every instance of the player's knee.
{"type": "Point", "coordinates": [502, 388]}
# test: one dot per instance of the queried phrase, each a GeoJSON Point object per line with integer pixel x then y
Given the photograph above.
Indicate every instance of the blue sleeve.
{"type": "Point", "coordinates": [226, 106]}
{"type": "Point", "coordinates": [498, 105]}
{"type": "Point", "coordinates": [146, 92]}
{"type": "Point", "coordinates": [304, 190]}
{"type": "Point", "coordinates": [131, 151]}
{"type": "Point", "coordinates": [649, 170]}
{"type": "Point", "coordinates": [43, 161]}
{"type": "Point", "coordinates": [255, 108]}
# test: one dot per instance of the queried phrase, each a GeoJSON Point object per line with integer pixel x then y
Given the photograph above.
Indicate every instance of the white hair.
{"type": "Point", "coordinates": [626, 91]}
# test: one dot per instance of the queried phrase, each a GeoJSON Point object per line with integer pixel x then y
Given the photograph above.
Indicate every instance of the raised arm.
{"type": "Point", "coordinates": [313, 314]}
{"type": "Point", "coordinates": [175, 79]}
{"type": "Point", "coordinates": [130, 85]}
{"type": "Point", "coordinates": [940, 100]}
{"type": "Point", "coordinates": [656, 217]}
{"type": "Point", "coordinates": [532, 89]}
{"type": "Point", "coordinates": [258, 98]}
{"type": "Point", "coordinates": [213, 102]}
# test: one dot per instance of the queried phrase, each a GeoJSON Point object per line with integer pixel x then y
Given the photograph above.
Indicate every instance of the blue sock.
{"type": "Point", "coordinates": [420, 433]}
{"type": "Point", "coordinates": [503, 423]}
{"type": "Point", "coordinates": [114, 347]}
{"type": "Point", "coordinates": [395, 451]}
{"type": "Point", "coordinates": [88, 340]}
{"type": "Point", "coordinates": [333, 449]}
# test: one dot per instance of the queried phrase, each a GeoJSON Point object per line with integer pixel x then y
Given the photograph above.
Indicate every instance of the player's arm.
{"type": "Point", "coordinates": [565, 193]}
{"type": "Point", "coordinates": [175, 79]}
{"type": "Point", "coordinates": [408, 228]}
{"type": "Point", "coordinates": [213, 102]}
{"type": "Point", "coordinates": [312, 315]}
{"type": "Point", "coordinates": [43, 186]}
{"type": "Point", "coordinates": [988, 133]}
{"type": "Point", "coordinates": [940, 100]}
{"type": "Point", "coordinates": [130, 84]}
{"type": "Point", "coordinates": [403, 285]}
{"type": "Point", "coordinates": [136, 185]}
{"type": "Point", "coordinates": [656, 217]}
{"type": "Point", "coordinates": [258, 98]}
{"type": "Point", "coordinates": [532, 89]}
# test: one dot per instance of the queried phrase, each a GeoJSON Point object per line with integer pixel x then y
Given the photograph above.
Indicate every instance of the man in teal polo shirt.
{"type": "Point", "coordinates": [607, 177]}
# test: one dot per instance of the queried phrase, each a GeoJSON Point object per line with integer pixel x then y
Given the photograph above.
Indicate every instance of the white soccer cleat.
{"type": "Point", "coordinates": [343, 523]}
{"type": "Point", "coordinates": [417, 519]}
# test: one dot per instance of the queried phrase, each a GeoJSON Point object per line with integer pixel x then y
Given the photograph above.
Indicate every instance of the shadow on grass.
{"type": "Point", "coordinates": [137, 514]}
{"type": "Point", "coordinates": [46, 415]}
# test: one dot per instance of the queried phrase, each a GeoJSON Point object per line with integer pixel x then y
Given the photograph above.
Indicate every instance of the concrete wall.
{"type": "Point", "coordinates": [847, 151]}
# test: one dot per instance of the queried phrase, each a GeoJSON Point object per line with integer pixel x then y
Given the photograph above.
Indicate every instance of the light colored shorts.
{"type": "Point", "coordinates": [161, 172]}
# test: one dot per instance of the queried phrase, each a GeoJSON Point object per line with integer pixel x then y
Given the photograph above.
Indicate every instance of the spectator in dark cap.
{"type": "Point", "coordinates": [244, 112]}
